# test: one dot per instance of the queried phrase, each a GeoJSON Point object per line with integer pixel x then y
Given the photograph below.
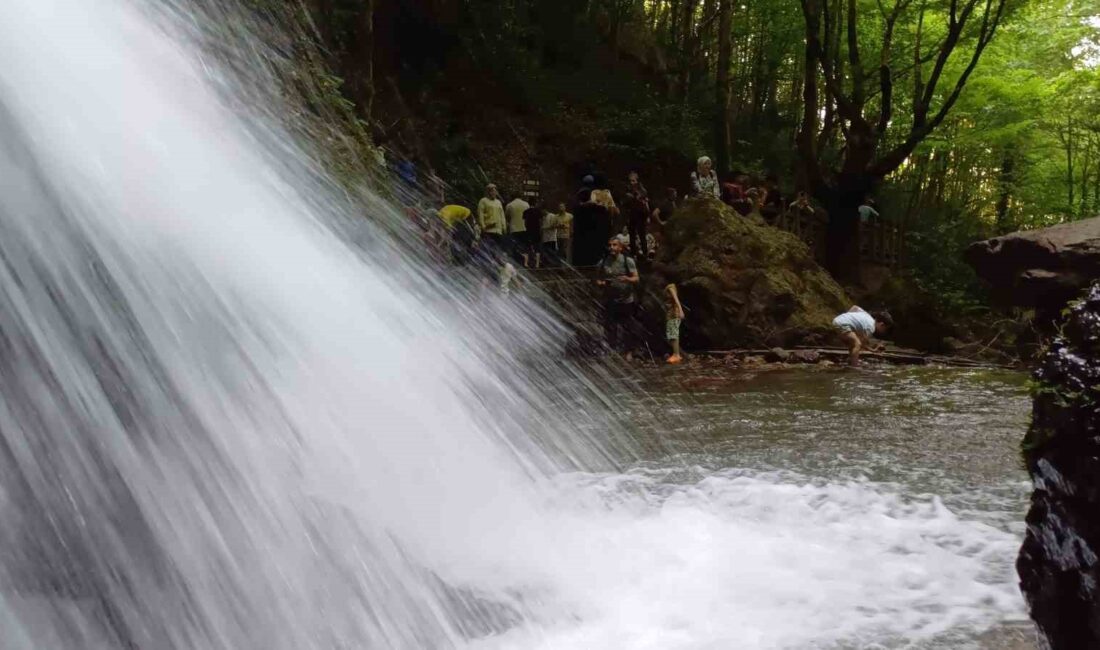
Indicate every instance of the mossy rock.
{"type": "Point", "coordinates": [744, 283]}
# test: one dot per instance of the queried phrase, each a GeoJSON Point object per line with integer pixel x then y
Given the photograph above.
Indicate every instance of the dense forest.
{"type": "Point", "coordinates": [965, 118]}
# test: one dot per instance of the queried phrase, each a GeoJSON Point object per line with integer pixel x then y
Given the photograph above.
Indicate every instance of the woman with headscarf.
{"type": "Point", "coordinates": [704, 180]}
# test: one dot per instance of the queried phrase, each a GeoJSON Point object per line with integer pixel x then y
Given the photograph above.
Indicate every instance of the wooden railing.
{"type": "Point", "coordinates": [807, 226]}
{"type": "Point", "coordinates": [879, 239]}
{"type": "Point", "coordinates": [880, 242]}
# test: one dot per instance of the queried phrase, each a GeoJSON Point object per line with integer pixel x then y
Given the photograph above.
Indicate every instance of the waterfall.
{"type": "Point", "coordinates": [223, 423]}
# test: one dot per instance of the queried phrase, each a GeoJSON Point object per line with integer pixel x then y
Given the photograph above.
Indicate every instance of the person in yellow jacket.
{"type": "Point", "coordinates": [453, 214]}
{"type": "Point", "coordinates": [463, 232]}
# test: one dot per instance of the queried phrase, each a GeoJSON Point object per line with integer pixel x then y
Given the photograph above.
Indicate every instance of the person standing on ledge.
{"type": "Point", "coordinates": [518, 241]}
{"type": "Point", "coordinates": [856, 327]}
{"type": "Point", "coordinates": [564, 221]}
{"type": "Point", "coordinates": [490, 218]}
{"type": "Point", "coordinates": [674, 315]}
{"type": "Point", "coordinates": [704, 180]}
{"type": "Point", "coordinates": [636, 207]}
{"type": "Point", "coordinates": [618, 276]}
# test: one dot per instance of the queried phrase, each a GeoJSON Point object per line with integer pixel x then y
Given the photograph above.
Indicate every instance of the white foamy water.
{"type": "Point", "coordinates": [224, 425]}
{"type": "Point", "coordinates": [751, 560]}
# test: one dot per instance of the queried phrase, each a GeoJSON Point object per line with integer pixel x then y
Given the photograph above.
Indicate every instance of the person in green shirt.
{"type": "Point", "coordinates": [618, 275]}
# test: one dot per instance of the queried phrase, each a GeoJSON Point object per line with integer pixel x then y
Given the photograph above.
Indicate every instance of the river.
{"type": "Point", "coordinates": [822, 508]}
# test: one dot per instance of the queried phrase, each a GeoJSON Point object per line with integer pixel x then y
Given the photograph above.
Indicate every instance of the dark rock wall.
{"type": "Point", "coordinates": [1059, 564]}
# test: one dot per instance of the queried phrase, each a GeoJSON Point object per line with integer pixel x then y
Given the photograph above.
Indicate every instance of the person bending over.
{"type": "Point", "coordinates": [856, 327]}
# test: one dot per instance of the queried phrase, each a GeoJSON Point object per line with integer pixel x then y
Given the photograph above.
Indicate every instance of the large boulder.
{"type": "Point", "coordinates": [1040, 269]}
{"type": "Point", "coordinates": [1059, 564]}
{"type": "Point", "coordinates": [744, 283]}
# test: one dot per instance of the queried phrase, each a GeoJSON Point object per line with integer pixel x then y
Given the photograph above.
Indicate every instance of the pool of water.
{"type": "Point", "coordinates": [928, 431]}
{"type": "Point", "coordinates": [813, 508]}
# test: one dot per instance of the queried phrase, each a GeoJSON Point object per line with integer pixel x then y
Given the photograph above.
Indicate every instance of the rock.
{"type": "Point", "coordinates": [805, 356]}
{"type": "Point", "coordinates": [744, 283]}
{"type": "Point", "coordinates": [1040, 269]}
{"type": "Point", "coordinates": [955, 346]}
{"type": "Point", "coordinates": [777, 355]}
{"type": "Point", "coordinates": [1059, 563]}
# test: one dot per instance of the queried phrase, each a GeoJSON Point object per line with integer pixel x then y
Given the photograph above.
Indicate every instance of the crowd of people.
{"type": "Point", "coordinates": [615, 237]}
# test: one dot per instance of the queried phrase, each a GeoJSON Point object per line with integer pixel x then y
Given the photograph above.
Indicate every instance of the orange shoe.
{"type": "Point", "coordinates": [674, 359]}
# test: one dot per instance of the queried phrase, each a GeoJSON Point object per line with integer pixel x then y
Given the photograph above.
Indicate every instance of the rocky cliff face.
{"type": "Point", "coordinates": [743, 282]}
{"type": "Point", "coordinates": [1040, 269]}
{"type": "Point", "coordinates": [1059, 564]}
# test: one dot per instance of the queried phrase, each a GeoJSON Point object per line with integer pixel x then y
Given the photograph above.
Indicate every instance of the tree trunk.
{"type": "Point", "coordinates": [687, 47]}
{"type": "Point", "coordinates": [362, 60]}
{"type": "Point", "coordinates": [1068, 142]}
{"type": "Point", "coordinates": [1005, 183]}
{"type": "Point", "coordinates": [809, 170]}
{"type": "Point", "coordinates": [723, 129]}
{"type": "Point", "coordinates": [842, 233]}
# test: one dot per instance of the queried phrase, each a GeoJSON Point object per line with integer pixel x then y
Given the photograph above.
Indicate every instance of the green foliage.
{"type": "Point", "coordinates": [636, 80]}
{"type": "Point", "coordinates": [647, 128]}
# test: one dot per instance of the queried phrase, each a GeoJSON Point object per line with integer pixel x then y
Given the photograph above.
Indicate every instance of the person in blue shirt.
{"type": "Point", "coordinates": [856, 327]}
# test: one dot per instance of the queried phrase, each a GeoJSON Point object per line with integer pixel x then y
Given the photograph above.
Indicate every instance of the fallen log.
{"type": "Point", "coordinates": [899, 358]}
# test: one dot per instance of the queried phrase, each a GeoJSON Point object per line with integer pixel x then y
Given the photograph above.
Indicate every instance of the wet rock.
{"type": "Point", "coordinates": [1040, 269]}
{"type": "Point", "coordinates": [744, 283]}
{"type": "Point", "coordinates": [805, 356]}
{"type": "Point", "coordinates": [777, 355]}
{"type": "Point", "coordinates": [1059, 563]}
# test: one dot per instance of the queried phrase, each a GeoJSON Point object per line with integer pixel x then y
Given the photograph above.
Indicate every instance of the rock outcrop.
{"type": "Point", "coordinates": [1040, 269]}
{"type": "Point", "coordinates": [744, 283]}
{"type": "Point", "coordinates": [1059, 564]}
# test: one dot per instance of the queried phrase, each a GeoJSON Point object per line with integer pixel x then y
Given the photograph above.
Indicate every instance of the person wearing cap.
{"type": "Point", "coordinates": [490, 217]}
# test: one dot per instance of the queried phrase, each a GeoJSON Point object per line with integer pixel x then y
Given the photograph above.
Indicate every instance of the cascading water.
{"type": "Point", "coordinates": [234, 416]}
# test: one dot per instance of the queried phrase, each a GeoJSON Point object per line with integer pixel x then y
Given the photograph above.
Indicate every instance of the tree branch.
{"type": "Point", "coordinates": [853, 58]}
{"type": "Point", "coordinates": [890, 161]}
{"type": "Point", "coordinates": [811, 166]}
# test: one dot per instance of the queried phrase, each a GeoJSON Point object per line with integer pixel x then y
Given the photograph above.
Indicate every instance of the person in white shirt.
{"type": "Point", "coordinates": [856, 327]}
{"type": "Point", "coordinates": [517, 228]}
{"type": "Point", "coordinates": [550, 228]}
{"type": "Point", "coordinates": [867, 211]}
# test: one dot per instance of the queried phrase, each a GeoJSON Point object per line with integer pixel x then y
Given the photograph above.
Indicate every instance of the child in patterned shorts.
{"type": "Point", "coordinates": [674, 313]}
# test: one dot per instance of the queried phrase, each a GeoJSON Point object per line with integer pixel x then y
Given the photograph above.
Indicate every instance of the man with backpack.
{"type": "Point", "coordinates": [618, 275]}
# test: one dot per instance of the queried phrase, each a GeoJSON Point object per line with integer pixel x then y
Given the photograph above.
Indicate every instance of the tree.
{"type": "Point", "coordinates": [859, 100]}
{"type": "Point", "coordinates": [723, 126]}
